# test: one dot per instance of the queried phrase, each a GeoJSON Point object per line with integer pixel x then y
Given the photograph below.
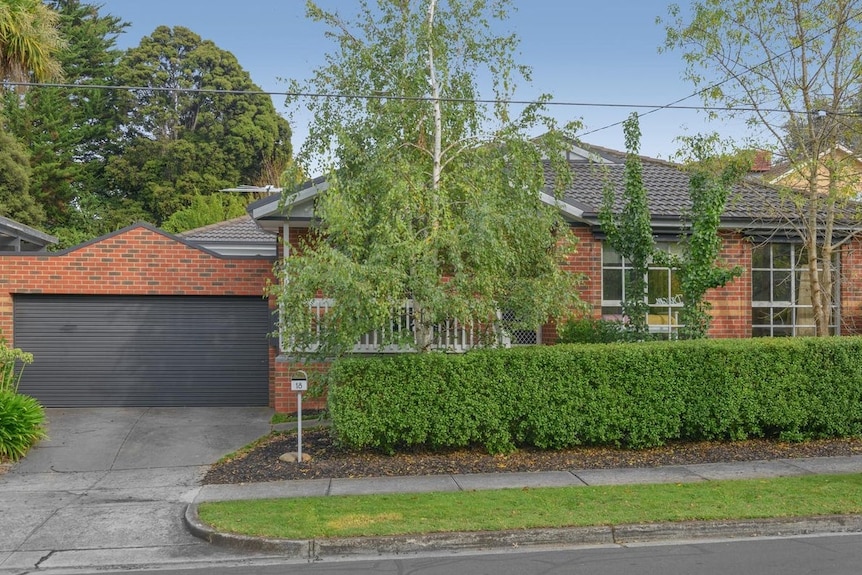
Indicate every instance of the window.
{"type": "Point", "coordinates": [663, 292]}
{"type": "Point", "coordinates": [780, 293]}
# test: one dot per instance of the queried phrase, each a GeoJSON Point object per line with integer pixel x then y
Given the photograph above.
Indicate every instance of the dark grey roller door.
{"type": "Point", "coordinates": [144, 350]}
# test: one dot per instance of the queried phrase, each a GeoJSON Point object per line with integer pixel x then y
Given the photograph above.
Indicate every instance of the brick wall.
{"type": "Point", "coordinates": [731, 305]}
{"type": "Point", "coordinates": [285, 400]}
{"type": "Point", "coordinates": [139, 260]}
{"type": "Point", "coordinates": [586, 261]}
{"type": "Point", "coordinates": [851, 288]}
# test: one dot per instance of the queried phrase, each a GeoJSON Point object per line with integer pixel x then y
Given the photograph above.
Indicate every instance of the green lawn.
{"type": "Point", "coordinates": [346, 516]}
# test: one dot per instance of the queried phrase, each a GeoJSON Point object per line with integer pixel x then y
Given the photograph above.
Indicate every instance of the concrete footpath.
{"type": "Point", "coordinates": [564, 537]}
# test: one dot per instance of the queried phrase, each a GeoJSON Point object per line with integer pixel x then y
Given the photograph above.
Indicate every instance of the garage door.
{"type": "Point", "coordinates": [144, 350]}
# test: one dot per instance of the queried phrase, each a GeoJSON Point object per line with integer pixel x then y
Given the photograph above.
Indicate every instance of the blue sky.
{"type": "Point", "coordinates": [603, 52]}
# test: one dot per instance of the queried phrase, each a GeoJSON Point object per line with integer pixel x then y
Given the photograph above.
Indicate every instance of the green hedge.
{"type": "Point", "coordinates": [629, 395]}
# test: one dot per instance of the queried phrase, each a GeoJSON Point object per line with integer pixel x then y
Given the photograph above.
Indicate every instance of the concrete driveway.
{"type": "Point", "coordinates": [109, 486]}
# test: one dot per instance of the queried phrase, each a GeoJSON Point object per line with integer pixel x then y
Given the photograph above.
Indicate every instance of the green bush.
{"type": "Point", "coordinates": [592, 330]}
{"type": "Point", "coordinates": [10, 358]}
{"type": "Point", "coordinates": [22, 422]}
{"type": "Point", "coordinates": [629, 395]}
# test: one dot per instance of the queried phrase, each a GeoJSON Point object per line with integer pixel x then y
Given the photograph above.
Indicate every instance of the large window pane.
{"type": "Point", "coordinates": [761, 315]}
{"type": "Point", "coordinates": [760, 286]}
{"type": "Point", "coordinates": [803, 288]}
{"type": "Point", "coordinates": [659, 286]}
{"type": "Point", "coordinates": [612, 313]}
{"type": "Point", "coordinates": [612, 284]}
{"type": "Point", "coordinates": [801, 257]}
{"type": "Point", "coordinates": [781, 286]}
{"type": "Point", "coordinates": [675, 287]}
{"type": "Point", "coordinates": [760, 257]}
{"type": "Point", "coordinates": [805, 316]}
{"type": "Point", "coordinates": [782, 316]}
{"type": "Point", "coordinates": [630, 277]}
{"type": "Point", "coordinates": [781, 258]}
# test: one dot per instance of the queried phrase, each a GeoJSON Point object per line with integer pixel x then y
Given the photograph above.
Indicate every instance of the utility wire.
{"type": "Point", "coordinates": [653, 107]}
{"type": "Point", "coordinates": [674, 104]}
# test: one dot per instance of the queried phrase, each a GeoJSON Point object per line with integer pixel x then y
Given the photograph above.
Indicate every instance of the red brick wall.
{"type": "Point", "coordinates": [731, 305]}
{"type": "Point", "coordinates": [586, 261]}
{"type": "Point", "coordinates": [285, 397]}
{"type": "Point", "coordinates": [851, 288]}
{"type": "Point", "coordinates": [139, 260]}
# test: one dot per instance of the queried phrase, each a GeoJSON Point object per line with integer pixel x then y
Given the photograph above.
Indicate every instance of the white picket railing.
{"type": "Point", "coordinates": [450, 335]}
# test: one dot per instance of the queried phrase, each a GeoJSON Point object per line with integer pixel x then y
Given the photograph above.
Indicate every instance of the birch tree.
{"type": "Point", "coordinates": [793, 67]}
{"type": "Point", "coordinates": [434, 188]}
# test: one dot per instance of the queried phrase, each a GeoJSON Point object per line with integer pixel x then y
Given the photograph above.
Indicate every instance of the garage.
{"type": "Point", "coordinates": [160, 350]}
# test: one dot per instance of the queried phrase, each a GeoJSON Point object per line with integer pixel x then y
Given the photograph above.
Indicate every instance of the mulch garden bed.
{"type": "Point", "coordinates": [261, 462]}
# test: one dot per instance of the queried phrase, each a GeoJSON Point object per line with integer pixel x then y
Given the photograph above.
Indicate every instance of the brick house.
{"type": "Point", "coordinates": [769, 299]}
{"type": "Point", "coordinates": [143, 317]}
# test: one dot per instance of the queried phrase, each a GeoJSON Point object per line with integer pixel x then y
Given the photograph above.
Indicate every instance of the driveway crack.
{"type": "Point", "coordinates": [126, 438]}
{"type": "Point", "coordinates": [43, 559]}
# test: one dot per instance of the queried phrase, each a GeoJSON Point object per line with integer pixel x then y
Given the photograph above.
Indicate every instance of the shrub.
{"type": "Point", "coordinates": [592, 330]}
{"type": "Point", "coordinates": [629, 395]}
{"type": "Point", "coordinates": [9, 358]}
{"type": "Point", "coordinates": [22, 422]}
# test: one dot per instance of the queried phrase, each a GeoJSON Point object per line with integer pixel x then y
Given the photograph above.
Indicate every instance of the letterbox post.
{"type": "Point", "coordinates": [299, 383]}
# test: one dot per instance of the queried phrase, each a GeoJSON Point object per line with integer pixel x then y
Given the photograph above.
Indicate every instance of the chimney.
{"type": "Point", "coordinates": [762, 161]}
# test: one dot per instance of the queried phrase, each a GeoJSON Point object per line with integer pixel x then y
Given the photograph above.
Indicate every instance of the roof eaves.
{"type": "Point", "coordinates": [26, 232]}
{"type": "Point", "coordinates": [267, 207]}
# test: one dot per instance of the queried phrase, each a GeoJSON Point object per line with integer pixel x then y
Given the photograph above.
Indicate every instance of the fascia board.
{"type": "Point", "coordinates": [565, 208]}
{"type": "Point", "coordinates": [302, 196]}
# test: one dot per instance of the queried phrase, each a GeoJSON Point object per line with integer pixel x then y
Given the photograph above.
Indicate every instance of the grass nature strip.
{"type": "Point", "coordinates": [495, 510]}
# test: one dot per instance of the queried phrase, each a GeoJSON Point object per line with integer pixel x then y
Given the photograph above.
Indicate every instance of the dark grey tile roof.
{"type": "Point", "coordinates": [242, 230]}
{"type": "Point", "coordinates": [666, 185]}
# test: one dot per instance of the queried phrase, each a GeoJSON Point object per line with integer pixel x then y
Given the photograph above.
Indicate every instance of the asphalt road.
{"type": "Point", "coordinates": [832, 555]}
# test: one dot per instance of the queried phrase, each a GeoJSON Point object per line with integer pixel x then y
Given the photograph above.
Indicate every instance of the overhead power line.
{"type": "Point", "coordinates": [652, 108]}
{"type": "Point", "coordinates": [574, 104]}
{"type": "Point", "coordinates": [732, 76]}
{"type": "Point", "coordinates": [675, 105]}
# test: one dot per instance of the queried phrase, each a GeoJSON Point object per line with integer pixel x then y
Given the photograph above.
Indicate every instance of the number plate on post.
{"type": "Point", "coordinates": [299, 384]}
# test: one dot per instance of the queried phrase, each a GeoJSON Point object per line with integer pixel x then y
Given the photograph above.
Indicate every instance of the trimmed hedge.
{"type": "Point", "coordinates": [628, 395]}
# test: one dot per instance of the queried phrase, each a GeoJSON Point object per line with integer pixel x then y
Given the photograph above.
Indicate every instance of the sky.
{"type": "Point", "coordinates": [600, 53]}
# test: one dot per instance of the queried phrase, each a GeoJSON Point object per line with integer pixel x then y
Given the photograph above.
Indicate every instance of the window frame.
{"type": "Point", "coordinates": [670, 304]}
{"type": "Point", "coordinates": [783, 315]}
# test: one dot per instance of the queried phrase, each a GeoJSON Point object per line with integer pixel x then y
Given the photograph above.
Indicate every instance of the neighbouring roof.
{"type": "Point", "coordinates": [17, 237]}
{"type": "Point", "coordinates": [780, 172]}
{"type": "Point", "coordinates": [239, 236]}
